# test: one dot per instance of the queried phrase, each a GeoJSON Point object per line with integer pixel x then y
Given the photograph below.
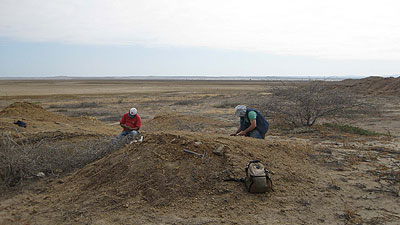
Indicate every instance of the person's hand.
{"type": "Point", "coordinates": [241, 133]}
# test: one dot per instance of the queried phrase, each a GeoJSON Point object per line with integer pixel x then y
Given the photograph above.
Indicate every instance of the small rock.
{"type": "Point", "coordinates": [220, 150]}
{"type": "Point", "coordinates": [198, 143]}
{"type": "Point", "coordinates": [334, 187]}
{"type": "Point", "coordinates": [40, 174]}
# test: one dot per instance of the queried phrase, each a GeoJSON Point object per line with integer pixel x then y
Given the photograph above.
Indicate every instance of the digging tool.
{"type": "Point", "coordinates": [195, 153]}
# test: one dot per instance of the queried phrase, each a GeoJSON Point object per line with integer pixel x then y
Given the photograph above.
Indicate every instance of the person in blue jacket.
{"type": "Point", "coordinates": [252, 123]}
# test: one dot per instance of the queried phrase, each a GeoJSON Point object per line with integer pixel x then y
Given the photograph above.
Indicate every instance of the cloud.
{"type": "Point", "coordinates": [333, 29]}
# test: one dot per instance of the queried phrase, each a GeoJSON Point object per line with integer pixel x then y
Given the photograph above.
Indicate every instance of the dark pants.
{"type": "Point", "coordinates": [131, 134]}
{"type": "Point", "coordinates": [256, 134]}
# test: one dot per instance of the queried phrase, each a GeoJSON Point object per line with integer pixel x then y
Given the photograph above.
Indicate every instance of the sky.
{"type": "Point", "coordinates": [199, 37]}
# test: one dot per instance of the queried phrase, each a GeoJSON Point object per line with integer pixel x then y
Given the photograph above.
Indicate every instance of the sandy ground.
{"type": "Point", "coordinates": [320, 177]}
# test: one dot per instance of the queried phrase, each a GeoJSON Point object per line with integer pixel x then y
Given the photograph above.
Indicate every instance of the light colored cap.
{"type": "Point", "coordinates": [240, 110]}
{"type": "Point", "coordinates": [133, 111]}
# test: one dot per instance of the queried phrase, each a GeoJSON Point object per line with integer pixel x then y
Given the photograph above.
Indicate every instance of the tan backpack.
{"type": "Point", "coordinates": [257, 178]}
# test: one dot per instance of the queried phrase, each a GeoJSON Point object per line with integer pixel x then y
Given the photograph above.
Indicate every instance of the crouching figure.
{"type": "Point", "coordinates": [131, 123]}
{"type": "Point", "coordinates": [252, 123]}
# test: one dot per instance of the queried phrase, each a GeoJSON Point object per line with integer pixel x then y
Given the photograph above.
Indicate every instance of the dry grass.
{"type": "Point", "coordinates": [81, 105]}
{"type": "Point", "coordinates": [186, 102]}
{"type": "Point", "coordinates": [24, 160]}
{"type": "Point", "coordinates": [351, 216]}
{"type": "Point", "coordinates": [226, 104]}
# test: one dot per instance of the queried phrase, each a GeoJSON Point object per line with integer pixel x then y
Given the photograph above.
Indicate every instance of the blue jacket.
{"type": "Point", "coordinates": [262, 123]}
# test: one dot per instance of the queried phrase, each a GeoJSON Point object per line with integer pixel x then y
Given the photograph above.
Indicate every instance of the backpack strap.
{"type": "Point", "coordinates": [252, 161]}
{"type": "Point", "coordinates": [268, 178]}
{"type": "Point", "coordinates": [235, 179]}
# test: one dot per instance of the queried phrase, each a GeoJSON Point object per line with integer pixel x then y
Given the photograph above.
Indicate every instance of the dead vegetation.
{"type": "Point", "coordinates": [226, 104]}
{"type": "Point", "coordinates": [305, 103]}
{"type": "Point", "coordinates": [81, 105]}
{"type": "Point", "coordinates": [22, 160]}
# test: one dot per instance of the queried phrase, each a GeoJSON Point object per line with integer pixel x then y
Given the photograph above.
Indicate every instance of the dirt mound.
{"type": "Point", "coordinates": [40, 120]}
{"type": "Point", "coordinates": [30, 111]}
{"type": "Point", "coordinates": [182, 122]}
{"type": "Point", "coordinates": [22, 108]}
{"type": "Point", "coordinates": [374, 85]}
{"type": "Point", "coordinates": [157, 173]}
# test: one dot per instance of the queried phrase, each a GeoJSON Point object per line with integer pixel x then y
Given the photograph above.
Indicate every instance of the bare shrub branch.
{"type": "Point", "coordinates": [22, 160]}
{"type": "Point", "coordinates": [303, 105]}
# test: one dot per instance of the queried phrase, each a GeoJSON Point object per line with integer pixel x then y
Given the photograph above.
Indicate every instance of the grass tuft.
{"type": "Point", "coordinates": [351, 129]}
{"type": "Point", "coordinates": [226, 104]}
{"type": "Point", "coordinates": [81, 105]}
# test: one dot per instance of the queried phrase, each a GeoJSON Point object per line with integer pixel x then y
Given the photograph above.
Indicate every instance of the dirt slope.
{"type": "Point", "coordinates": [42, 123]}
{"type": "Point", "coordinates": [374, 85]}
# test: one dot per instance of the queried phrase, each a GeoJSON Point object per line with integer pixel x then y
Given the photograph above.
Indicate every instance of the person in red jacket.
{"type": "Point", "coordinates": [131, 123]}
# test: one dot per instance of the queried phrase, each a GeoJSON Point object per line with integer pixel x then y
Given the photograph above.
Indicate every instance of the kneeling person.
{"type": "Point", "coordinates": [131, 123]}
{"type": "Point", "coordinates": [252, 123]}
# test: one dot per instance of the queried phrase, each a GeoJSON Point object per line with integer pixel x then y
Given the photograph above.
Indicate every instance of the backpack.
{"type": "Point", "coordinates": [257, 178]}
{"type": "Point", "coordinates": [20, 123]}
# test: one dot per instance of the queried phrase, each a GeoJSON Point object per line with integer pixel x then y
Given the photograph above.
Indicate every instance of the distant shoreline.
{"type": "Point", "coordinates": [189, 78]}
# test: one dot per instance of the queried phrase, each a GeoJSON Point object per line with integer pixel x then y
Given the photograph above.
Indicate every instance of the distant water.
{"type": "Point", "coordinates": [332, 78]}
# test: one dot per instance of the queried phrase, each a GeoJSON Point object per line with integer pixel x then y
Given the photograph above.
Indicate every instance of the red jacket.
{"type": "Point", "coordinates": [131, 122]}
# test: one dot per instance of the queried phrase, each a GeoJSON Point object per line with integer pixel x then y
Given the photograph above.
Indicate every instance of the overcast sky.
{"type": "Point", "coordinates": [199, 37]}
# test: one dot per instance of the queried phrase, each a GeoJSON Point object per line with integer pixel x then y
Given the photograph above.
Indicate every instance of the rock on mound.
{"type": "Point", "coordinates": [184, 122]}
{"type": "Point", "coordinates": [374, 85]}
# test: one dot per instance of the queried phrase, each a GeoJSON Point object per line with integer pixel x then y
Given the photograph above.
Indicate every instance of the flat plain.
{"type": "Point", "coordinates": [321, 175]}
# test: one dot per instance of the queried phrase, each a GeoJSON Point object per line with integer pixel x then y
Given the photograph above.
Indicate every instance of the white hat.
{"type": "Point", "coordinates": [240, 110]}
{"type": "Point", "coordinates": [133, 111]}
